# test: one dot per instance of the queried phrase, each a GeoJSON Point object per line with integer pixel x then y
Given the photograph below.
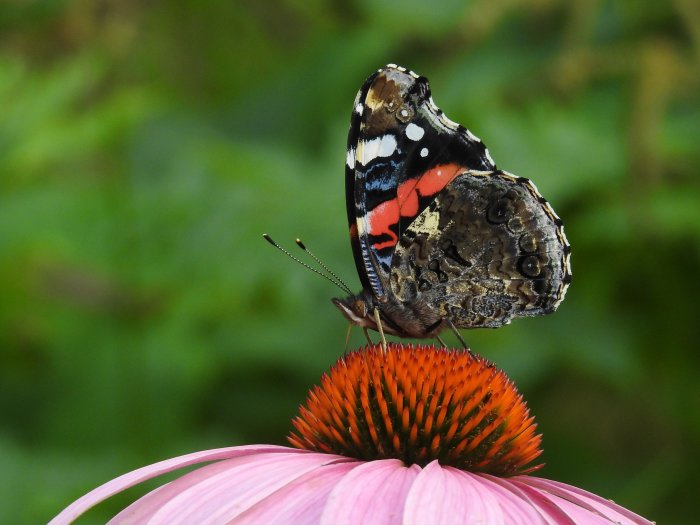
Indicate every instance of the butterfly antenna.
{"type": "Point", "coordinates": [320, 262]}
{"type": "Point", "coordinates": [340, 284]}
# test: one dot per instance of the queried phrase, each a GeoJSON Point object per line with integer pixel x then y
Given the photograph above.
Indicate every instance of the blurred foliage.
{"type": "Point", "coordinates": [145, 146]}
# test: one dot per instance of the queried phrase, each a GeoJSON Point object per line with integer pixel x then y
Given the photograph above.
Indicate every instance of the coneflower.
{"type": "Point", "coordinates": [410, 435]}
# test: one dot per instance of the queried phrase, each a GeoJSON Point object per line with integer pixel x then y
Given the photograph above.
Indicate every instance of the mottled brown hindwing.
{"type": "Point", "coordinates": [488, 249]}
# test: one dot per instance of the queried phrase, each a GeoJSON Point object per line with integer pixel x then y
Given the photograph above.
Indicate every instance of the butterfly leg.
{"type": "Point", "coordinates": [369, 339]}
{"type": "Point", "coordinates": [465, 346]}
{"type": "Point", "coordinates": [347, 338]}
{"type": "Point", "coordinates": [378, 320]}
{"type": "Point", "coordinates": [442, 343]}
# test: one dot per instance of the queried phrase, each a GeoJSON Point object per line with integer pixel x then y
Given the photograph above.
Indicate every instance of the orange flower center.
{"type": "Point", "coordinates": [418, 404]}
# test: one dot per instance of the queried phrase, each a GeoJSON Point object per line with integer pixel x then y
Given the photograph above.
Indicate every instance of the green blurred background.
{"type": "Point", "coordinates": [145, 146]}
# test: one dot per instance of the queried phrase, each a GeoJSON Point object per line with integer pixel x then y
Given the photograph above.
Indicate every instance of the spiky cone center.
{"type": "Point", "coordinates": [419, 404]}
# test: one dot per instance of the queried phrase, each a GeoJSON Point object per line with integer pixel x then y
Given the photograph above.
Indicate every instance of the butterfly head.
{"type": "Point", "coordinates": [357, 309]}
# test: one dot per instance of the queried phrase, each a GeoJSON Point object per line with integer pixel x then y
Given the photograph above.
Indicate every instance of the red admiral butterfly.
{"type": "Point", "coordinates": [441, 238]}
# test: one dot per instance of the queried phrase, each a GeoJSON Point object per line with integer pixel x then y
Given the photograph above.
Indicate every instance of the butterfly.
{"type": "Point", "coordinates": [441, 238]}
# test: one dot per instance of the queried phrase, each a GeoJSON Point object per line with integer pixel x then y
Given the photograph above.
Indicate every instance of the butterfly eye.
{"type": "Point", "coordinates": [360, 308]}
{"type": "Point", "coordinates": [529, 266]}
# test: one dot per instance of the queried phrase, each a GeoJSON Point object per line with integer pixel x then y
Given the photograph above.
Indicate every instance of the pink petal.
{"type": "Point", "coordinates": [445, 496]}
{"type": "Point", "coordinates": [578, 515]}
{"type": "Point", "coordinates": [612, 512]}
{"type": "Point", "coordinates": [301, 502]}
{"type": "Point", "coordinates": [516, 508]}
{"type": "Point", "coordinates": [550, 513]}
{"type": "Point", "coordinates": [89, 500]}
{"type": "Point", "coordinates": [373, 493]}
{"type": "Point", "coordinates": [221, 492]}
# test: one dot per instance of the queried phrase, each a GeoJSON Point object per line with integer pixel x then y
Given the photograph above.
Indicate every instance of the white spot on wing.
{"type": "Point", "coordinates": [359, 108]}
{"type": "Point", "coordinates": [424, 152]}
{"type": "Point", "coordinates": [368, 150]}
{"type": "Point", "coordinates": [350, 161]}
{"type": "Point", "coordinates": [414, 132]}
{"type": "Point", "coordinates": [387, 146]}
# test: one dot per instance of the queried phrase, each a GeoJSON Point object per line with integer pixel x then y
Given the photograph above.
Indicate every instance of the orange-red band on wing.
{"type": "Point", "coordinates": [405, 204]}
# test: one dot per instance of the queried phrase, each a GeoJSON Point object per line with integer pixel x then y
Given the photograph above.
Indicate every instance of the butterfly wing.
{"type": "Point", "coordinates": [486, 250]}
{"type": "Point", "coordinates": [402, 151]}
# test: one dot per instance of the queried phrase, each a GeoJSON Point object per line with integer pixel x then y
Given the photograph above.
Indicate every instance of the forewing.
{"type": "Point", "coordinates": [488, 249]}
{"type": "Point", "coordinates": [402, 151]}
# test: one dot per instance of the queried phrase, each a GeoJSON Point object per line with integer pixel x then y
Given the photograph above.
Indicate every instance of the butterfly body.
{"type": "Point", "coordinates": [441, 237]}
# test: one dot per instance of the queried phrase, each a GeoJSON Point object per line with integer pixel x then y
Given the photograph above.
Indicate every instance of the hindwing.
{"type": "Point", "coordinates": [487, 249]}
